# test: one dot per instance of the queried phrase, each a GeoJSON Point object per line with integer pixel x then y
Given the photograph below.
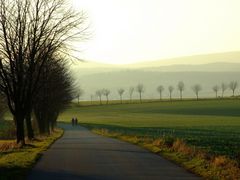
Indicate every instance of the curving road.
{"type": "Point", "coordinates": [80, 154]}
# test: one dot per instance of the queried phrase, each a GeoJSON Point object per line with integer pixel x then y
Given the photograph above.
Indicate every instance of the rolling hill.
{"type": "Point", "coordinates": [94, 76]}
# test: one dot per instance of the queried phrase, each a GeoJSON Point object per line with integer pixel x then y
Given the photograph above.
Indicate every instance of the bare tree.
{"type": "Point", "coordinates": [170, 89]}
{"type": "Point", "coordinates": [99, 94]}
{"type": "Point", "coordinates": [223, 88]}
{"type": "Point", "coordinates": [91, 97]}
{"type": "Point", "coordinates": [181, 87]}
{"type": "Point", "coordinates": [140, 90]}
{"type": "Point", "coordinates": [131, 90]}
{"type": "Point", "coordinates": [216, 88]}
{"type": "Point", "coordinates": [106, 93]}
{"type": "Point", "coordinates": [3, 106]}
{"type": "Point", "coordinates": [196, 89]}
{"type": "Point", "coordinates": [160, 90]}
{"type": "Point", "coordinates": [31, 32]}
{"type": "Point", "coordinates": [79, 93]}
{"type": "Point", "coordinates": [53, 96]}
{"type": "Point", "coordinates": [233, 86]}
{"type": "Point", "coordinates": [120, 92]}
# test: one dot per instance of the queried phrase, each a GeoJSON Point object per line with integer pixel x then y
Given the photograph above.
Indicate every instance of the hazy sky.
{"type": "Point", "coordinates": [127, 31]}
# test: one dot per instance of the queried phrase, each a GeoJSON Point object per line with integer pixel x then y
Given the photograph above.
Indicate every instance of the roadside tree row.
{"type": "Point", "coordinates": [35, 38]}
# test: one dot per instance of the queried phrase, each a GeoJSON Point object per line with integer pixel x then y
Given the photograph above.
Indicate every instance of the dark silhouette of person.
{"type": "Point", "coordinates": [73, 121]}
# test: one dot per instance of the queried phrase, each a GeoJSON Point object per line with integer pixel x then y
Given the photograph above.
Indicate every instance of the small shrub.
{"type": "Point", "coordinates": [219, 161]}
{"type": "Point", "coordinates": [168, 141]}
{"type": "Point", "coordinates": [159, 142]}
{"type": "Point", "coordinates": [180, 146]}
{"type": "Point", "coordinates": [203, 155]}
{"type": "Point", "coordinates": [104, 131]}
{"type": "Point", "coordinates": [226, 168]}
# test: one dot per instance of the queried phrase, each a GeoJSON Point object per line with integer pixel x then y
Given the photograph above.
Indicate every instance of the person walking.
{"type": "Point", "coordinates": [73, 121]}
{"type": "Point", "coordinates": [76, 121]}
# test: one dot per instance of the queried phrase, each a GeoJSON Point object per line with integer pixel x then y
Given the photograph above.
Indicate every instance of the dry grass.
{"type": "Point", "coordinates": [7, 146]}
{"type": "Point", "coordinates": [16, 161]}
{"type": "Point", "coordinates": [220, 161]}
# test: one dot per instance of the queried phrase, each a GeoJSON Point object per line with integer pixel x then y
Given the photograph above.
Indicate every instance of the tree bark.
{"type": "Point", "coordinates": [140, 97]}
{"type": "Point", "coordinates": [47, 127]}
{"type": "Point", "coordinates": [20, 129]}
{"type": "Point", "coordinates": [52, 126]}
{"type": "Point", "coordinates": [30, 132]}
{"type": "Point", "coordinates": [40, 121]}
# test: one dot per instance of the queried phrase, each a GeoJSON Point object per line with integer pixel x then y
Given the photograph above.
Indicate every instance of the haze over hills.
{"type": "Point", "coordinates": [222, 67]}
{"type": "Point", "coordinates": [211, 67]}
{"type": "Point", "coordinates": [226, 57]}
{"type": "Point", "coordinates": [229, 61]}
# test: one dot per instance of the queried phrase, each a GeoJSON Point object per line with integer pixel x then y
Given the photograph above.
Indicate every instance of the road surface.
{"type": "Point", "coordinates": [80, 154]}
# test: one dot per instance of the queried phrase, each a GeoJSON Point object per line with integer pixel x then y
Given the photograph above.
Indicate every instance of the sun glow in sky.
{"type": "Point", "coordinates": [128, 31]}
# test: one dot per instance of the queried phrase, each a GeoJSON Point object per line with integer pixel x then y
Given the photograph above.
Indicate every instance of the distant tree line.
{"type": "Point", "coordinates": [180, 87]}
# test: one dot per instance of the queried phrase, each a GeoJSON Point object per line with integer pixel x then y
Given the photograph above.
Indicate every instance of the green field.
{"type": "Point", "coordinates": [7, 130]}
{"type": "Point", "coordinates": [213, 125]}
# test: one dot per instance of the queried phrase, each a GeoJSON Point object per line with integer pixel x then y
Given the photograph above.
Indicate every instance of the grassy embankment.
{"type": "Point", "coordinates": [16, 162]}
{"type": "Point", "coordinates": [203, 136]}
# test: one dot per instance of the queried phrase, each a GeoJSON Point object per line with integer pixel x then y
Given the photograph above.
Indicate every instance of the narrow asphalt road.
{"type": "Point", "coordinates": [80, 154]}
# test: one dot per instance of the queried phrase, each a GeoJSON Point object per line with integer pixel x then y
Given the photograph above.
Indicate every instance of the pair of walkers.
{"type": "Point", "coordinates": [74, 121]}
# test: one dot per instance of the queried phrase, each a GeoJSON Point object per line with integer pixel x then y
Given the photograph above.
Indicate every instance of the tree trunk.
{"type": "Point", "coordinates": [52, 126]}
{"type": "Point", "coordinates": [47, 126]}
{"type": "Point", "coordinates": [41, 122]}
{"type": "Point", "coordinates": [54, 121]}
{"type": "Point", "coordinates": [140, 94]}
{"type": "Point", "coordinates": [107, 99]}
{"type": "Point", "coordinates": [20, 129]}
{"type": "Point", "coordinates": [121, 99]}
{"type": "Point", "coordinates": [30, 132]}
{"type": "Point", "coordinates": [181, 95]}
{"type": "Point", "coordinates": [41, 127]}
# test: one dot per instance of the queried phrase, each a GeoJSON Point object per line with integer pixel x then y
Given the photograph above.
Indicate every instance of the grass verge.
{"type": "Point", "coordinates": [16, 162]}
{"type": "Point", "coordinates": [176, 150]}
